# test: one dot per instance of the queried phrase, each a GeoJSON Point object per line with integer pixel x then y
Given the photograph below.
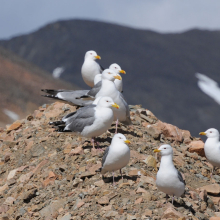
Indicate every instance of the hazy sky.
{"type": "Point", "coordinates": [23, 16]}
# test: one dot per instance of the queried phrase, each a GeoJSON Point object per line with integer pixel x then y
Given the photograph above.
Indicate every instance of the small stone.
{"type": "Point", "coordinates": [9, 200]}
{"type": "Point", "coordinates": [214, 218]}
{"type": "Point", "coordinates": [76, 151]}
{"type": "Point", "coordinates": [193, 195]}
{"type": "Point", "coordinates": [138, 201]}
{"type": "Point", "coordinates": [80, 204]}
{"type": "Point", "coordinates": [99, 183]}
{"type": "Point", "coordinates": [103, 200]}
{"type": "Point", "coordinates": [77, 181]}
{"type": "Point", "coordinates": [111, 214]}
{"type": "Point", "coordinates": [131, 217]}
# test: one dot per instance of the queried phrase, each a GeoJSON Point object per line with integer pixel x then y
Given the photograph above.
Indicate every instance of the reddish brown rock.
{"type": "Point", "coordinates": [171, 213]}
{"type": "Point", "coordinates": [214, 218]}
{"type": "Point", "coordinates": [135, 154]}
{"type": "Point", "coordinates": [198, 147]}
{"type": "Point", "coordinates": [14, 126]}
{"type": "Point", "coordinates": [212, 189]}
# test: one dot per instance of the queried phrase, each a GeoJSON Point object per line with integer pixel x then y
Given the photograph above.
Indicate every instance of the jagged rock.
{"type": "Point", "coordinates": [198, 147]}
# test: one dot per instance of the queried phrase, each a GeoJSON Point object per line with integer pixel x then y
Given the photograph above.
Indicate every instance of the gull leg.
{"type": "Point", "coordinates": [97, 143]}
{"type": "Point", "coordinates": [93, 143]}
{"type": "Point", "coordinates": [113, 173]}
{"type": "Point", "coordinates": [116, 127]}
{"type": "Point", "coordinates": [172, 199]}
{"type": "Point", "coordinates": [121, 174]}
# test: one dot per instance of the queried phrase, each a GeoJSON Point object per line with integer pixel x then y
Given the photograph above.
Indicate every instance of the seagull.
{"type": "Point", "coordinates": [209, 86]}
{"type": "Point", "coordinates": [90, 67]}
{"type": "Point", "coordinates": [108, 88]}
{"type": "Point", "coordinates": [118, 83]}
{"type": "Point", "coordinates": [116, 156]}
{"type": "Point", "coordinates": [90, 121]}
{"type": "Point", "coordinates": [169, 179]}
{"type": "Point", "coordinates": [212, 147]}
{"type": "Point", "coordinates": [70, 96]}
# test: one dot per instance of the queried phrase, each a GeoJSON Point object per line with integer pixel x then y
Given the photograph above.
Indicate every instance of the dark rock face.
{"type": "Point", "coordinates": [160, 67]}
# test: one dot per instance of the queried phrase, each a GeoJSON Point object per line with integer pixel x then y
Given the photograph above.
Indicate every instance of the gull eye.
{"type": "Point", "coordinates": [165, 148]}
{"type": "Point", "coordinates": [210, 131]}
{"type": "Point", "coordinates": [106, 101]}
{"type": "Point", "coordinates": [109, 73]}
{"type": "Point", "coordinates": [119, 137]}
{"type": "Point", "coordinates": [91, 53]}
{"type": "Point", "coordinates": [115, 67]}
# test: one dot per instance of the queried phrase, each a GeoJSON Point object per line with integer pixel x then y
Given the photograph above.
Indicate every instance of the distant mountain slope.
{"type": "Point", "coordinates": [160, 67]}
{"type": "Point", "coordinates": [20, 84]}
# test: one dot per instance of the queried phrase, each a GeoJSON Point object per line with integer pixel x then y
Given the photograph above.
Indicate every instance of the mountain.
{"type": "Point", "coordinates": [160, 67]}
{"type": "Point", "coordinates": [20, 85]}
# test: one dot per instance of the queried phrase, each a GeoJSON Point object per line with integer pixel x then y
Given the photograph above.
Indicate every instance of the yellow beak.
{"type": "Point", "coordinates": [98, 57]}
{"type": "Point", "coordinates": [117, 77]}
{"type": "Point", "coordinates": [127, 142]}
{"type": "Point", "coordinates": [156, 150]}
{"type": "Point", "coordinates": [115, 105]}
{"type": "Point", "coordinates": [202, 133]}
{"type": "Point", "coordinates": [122, 71]}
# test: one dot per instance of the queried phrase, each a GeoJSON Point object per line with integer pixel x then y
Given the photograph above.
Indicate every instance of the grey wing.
{"type": "Point", "coordinates": [105, 155]}
{"type": "Point", "coordinates": [95, 89]}
{"type": "Point", "coordinates": [69, 96]}
{"type": "Point", "coordinates": [83, 117]}
{"type": "Point", "coordinates": [101, 68]}
{"type": "Point", "coordinates": [180, 177]}
{"type": "Point", "coordinates": [128, 119]}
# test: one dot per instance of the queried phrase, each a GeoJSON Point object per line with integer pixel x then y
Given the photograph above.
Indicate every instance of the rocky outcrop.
{"type": "Point", "coordinates": [49, 175]}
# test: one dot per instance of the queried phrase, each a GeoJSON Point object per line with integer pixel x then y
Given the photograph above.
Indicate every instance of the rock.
{"type": "Point", "coordinates": [171, 213]}
{"type": "Point", "coordinates": [136, 172]}
{"type": "Point", "coordinates": [52, 209]}
{"type": "Point", "coordinates": [4, 208]}
{"type": "Point", "coordinates": [80, 204]}
{"type": "Point", "coordinates": [111, 214]}
{"type": "Point", "coordinates": [9, 201]}
{"type": "Point", "coordinates": [76, 151]}
{"type": "Point", "coordinates": [212, 189]}
{"type": "Point", "coordinates": [135, 154]}
{"type": "Point", "coordinates": [198, 147]}
{"type": "Point", "coordinates": [147, 213]}
{"type": "Point", "coordinates": [14, 126]}
{"type": "Point", "coordinates": [194, 195]}
{"type": "Point", "coordinates": [138, 201]}
{"type": "Point", "coordinates": [151, 162]}
{"type": "Point", "coordinates": [103, 200]}
{"type": "Point", "coordinates": [67, 216]}
{"type": "Point", "coordinates": [214, 218]}
{"type": "Point", "coordinates": [3, 188]}
{"type": "Point", "coordinates": [27, 196]}
{"type": "Point", "coordinates": [131, 217]}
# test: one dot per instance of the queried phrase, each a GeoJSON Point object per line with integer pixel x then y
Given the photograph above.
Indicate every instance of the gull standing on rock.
{"type": "Point", "coordinates": [90, 121]}
{"type": "Point", "coordinates": [169, 179]}
{"type": "Point", "coordinates": [116, 156]}
{"type": "Point", "coordinates": [118, 83]}
{"type": "Point", "coordinates": [212, 147]}
{"type": "Point", "coordinates": [90, 67]}
{"type": "Point", "coordinates": [108, 88]}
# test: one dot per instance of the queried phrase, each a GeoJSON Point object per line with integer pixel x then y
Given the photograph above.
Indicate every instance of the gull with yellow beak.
{"type": "Point", "coordinates": [90, 121]}
{"type": "Point", "coordinates": [212, 147]}
{"type": "Point", "coordinates": [116, 156]}
{"type": "Point", "coordinates": [90, 67]}
{"type": "Point", "coordinates": [169, 179]}
{"type": "Point", "coordinates": [71, 96]}
{"type": "Point", "coordinates": [108, 88]}
{"type": "Point", "coordinates": [117, 69]}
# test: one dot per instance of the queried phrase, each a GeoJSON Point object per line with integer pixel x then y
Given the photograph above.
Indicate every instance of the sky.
{"type": "Point", "coordinates": [24, 16]}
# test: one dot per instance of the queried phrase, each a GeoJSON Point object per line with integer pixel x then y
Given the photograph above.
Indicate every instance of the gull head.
{"type": "Point", "coordinates": [107, 102]}
{"type": "Point", "coordinates": [164, 150]}
{"type": "Point", "coordinates": [110, 75]}
{"type": "Point", "coordinates": [210, 133]}
{"type": "Point", "coordinates": [92, 55]}
{"type": "Point", "coordinates": [120, 138]}
{"type": "Point", "coordinates": [116, 68]}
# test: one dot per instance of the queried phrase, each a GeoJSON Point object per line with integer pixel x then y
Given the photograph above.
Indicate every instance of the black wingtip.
{"type": "Point", "coordinates": [99, 170]}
